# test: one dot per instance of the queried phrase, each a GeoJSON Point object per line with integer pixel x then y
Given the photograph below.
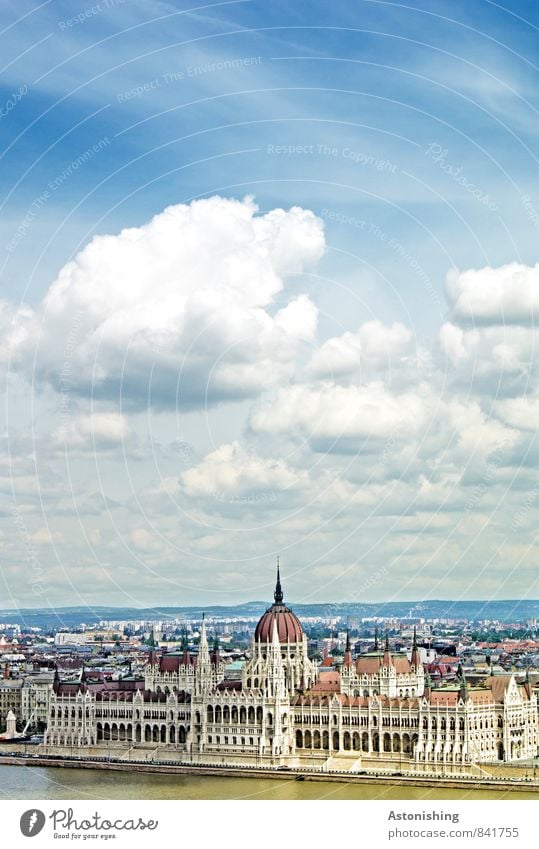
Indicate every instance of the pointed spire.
{"type": "Point", "coordinates": [275, 636]}
{"type": "Point", "coordinates": [347, 660]}
{"type": "Point", "coordinates": [376, 639]}
{"type": "Point", "coordinates": [463, 692]}
{"type": "Point", "coordinates": [387, 659]}
{"type": "Point", "coordinates": [415, 660]}
{"type": "Point", "coordinates": [215, 657]}
{"type": "Point", "coordinates": [203, 646]}
{"type": "Point", "coordinates": [278, 594]}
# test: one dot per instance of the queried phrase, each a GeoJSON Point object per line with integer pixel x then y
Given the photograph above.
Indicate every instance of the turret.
{"type": "Point", "coordinates": [276, 679]}
{"type": "Point", "coordinates": [203, 674]}
{"type": "Point", "coordinates": [416, 658]}
{"type": "Point", "coordinates": [215, 657]}
{"type": "Point", "coordinates": [347, 660]}
{"type": "Point", "coordinates": [387, 659]}
{"type": "Point", "coordinates": [463, 690]}
{"type": "Point", "coordinates": [278, 594]}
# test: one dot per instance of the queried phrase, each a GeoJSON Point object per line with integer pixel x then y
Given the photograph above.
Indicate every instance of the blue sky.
{"type": "Point", "coordinates": [332, 395]}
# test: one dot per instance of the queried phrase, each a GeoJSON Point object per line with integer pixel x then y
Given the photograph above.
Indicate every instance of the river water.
{"type": "Point", "coordinates": [19, 782]}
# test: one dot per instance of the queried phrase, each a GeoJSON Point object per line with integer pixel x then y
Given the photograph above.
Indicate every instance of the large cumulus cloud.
{"type": "Point", "coordinates": [181, 308]}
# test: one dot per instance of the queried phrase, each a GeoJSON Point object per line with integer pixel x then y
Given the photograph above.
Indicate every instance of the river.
{"type": "Point", "coordinates": [19, 782]}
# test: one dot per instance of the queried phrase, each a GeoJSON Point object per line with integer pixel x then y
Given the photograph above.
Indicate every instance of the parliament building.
{"type": "Point", "coordinates": [376, 708]}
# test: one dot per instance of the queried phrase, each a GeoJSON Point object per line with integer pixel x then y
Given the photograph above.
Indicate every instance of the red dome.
{"type": "Point", "coordinates": [288, 625]}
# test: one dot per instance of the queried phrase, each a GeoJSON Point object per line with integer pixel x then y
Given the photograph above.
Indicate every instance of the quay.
{"type": "Point", "coordinates": [471, 782]}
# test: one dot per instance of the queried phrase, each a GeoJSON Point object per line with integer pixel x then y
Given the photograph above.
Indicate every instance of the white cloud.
{"type": "Point", "coordinates": [180, 305]}
{"type": "Point", "coordinates": [232, 471]}
{"type": "Point", "coordinates": [478, 434]}
{"type": "Point", "coordinates": [44, 536]}
{"type": "Point", "coordinates": [375, 345]}
{"type": "Point", "coordinates": [494, 360]}
{"type": "Point", "coordinates": [145, 541]}
{"type": "Point", "coordinates": [97, 430]}
{"type": "Point", "coordinates": [505, 295]}
{"type": "Point", "coordinates": [330, 412]}
{"type": "Point", "coordinates": [522, 413]}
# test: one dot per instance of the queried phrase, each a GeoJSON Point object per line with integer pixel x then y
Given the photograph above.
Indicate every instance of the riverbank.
{"type": "Point", "coordinates": [501, 784]}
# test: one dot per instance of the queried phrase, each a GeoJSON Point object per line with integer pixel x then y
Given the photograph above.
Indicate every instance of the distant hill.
{"type": "Point", "coordinates": [70, 617]}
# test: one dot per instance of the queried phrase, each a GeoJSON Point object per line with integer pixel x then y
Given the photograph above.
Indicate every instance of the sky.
{"type": "Point", "coordinates": [269, 277]}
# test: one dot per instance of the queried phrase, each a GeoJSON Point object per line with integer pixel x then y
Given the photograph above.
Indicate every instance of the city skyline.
{"type": "Point", "coordinates": [269, 287]}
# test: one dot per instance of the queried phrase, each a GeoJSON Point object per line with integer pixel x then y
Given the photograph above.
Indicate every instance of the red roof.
{"type": "Point", "coordinates": [329, 681]}
{"type": "Point", "coordinates": [371, 664]}
{"type": "Point", "coordinates": [288, 625]}
{"type": "Point", "coordinates": [172, 662]}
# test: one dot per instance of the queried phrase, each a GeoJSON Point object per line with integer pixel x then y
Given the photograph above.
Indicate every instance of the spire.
{"type": "Point", "coordinates": [215, 658]}
{"type": "Point", "coordinates": [275, 638]}
{"type": "Point", "coordinates": [387, 659]}
{"type": "Point", "coordinates": [278, 594]}
{"type": "Point", "coordinates": [347, 660]}
{"type": "Point", "coordinates": [203, 646]}
{"type": "Point", "coordinates": [415, 660]}
{"type": "Point", "coordinates": [463, 683]}
{"type": "Point", "coordinates": [376, 639]}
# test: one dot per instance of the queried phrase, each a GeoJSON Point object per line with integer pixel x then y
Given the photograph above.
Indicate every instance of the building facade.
{"type": "Point", "coordinates": [285, 710]}
{"type": "Point", "coordinates": [10, 699]}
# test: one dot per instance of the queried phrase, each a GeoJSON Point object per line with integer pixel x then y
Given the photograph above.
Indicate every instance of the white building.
{"type": "Point", "coordinates": [379, 706]}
